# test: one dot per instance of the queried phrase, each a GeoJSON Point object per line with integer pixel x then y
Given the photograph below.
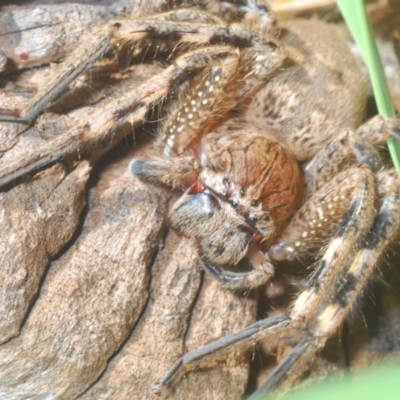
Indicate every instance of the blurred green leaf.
{"type": "Point", "coordinates": [376, 383]}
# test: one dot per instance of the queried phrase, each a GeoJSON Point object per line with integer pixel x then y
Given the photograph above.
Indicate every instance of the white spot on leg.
{"type": "Point", "coordinates": [303, 303]}
{"type": "Point", "coordinates": [335, 247]}
{"type": "Point", "coordinates": [327, 320]}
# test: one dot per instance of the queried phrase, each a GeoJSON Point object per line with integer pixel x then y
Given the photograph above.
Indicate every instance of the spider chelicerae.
{"type": "Point", "coordinates": [258, 183]}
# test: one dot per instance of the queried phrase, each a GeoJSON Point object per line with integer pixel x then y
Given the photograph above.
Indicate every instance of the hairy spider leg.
{"type": "Point", "coordinates": [116, 35]}
{"type": "Point", "coordinates": [332, 310]}
{"type": "Point", "coordinates": [349, 259]}
{"type": "Point", "coordinates": [348, 147]}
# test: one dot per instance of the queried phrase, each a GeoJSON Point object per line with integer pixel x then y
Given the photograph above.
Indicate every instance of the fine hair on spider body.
{"type": "Point", "coordinates": [233, 206]}
{"type": "Point", "coordinates": [262, 135]}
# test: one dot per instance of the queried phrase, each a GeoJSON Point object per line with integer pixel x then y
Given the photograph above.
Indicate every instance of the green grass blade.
{"type": "Point", "coordinates": [357, 20]}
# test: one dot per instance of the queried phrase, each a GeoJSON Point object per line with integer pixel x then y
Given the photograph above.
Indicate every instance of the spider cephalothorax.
{"type": "Point", "coordinates": [247, 186]}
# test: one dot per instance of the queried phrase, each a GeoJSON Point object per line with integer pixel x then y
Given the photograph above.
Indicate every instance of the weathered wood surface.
{"type": "Point", "coordinates": [97, 298]}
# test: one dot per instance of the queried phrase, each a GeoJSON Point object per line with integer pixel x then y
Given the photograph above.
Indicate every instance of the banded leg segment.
{"type": "Point", "coordinates": [370, 248]}
{"type": "Point", "coordinates": [334, 306]}
{"type": "Point", "coordinates": [347, 206]}
{"type": "Point", "coordinates": [207, 103]}
{"type": "Point", "coordinates": [328, 315]}
{"type": "Point", "coordinates": [348, 147]}
{"type": "Point", "coordinates": [355, 223]}
{"type": "Point", "coordinates": [322, 214]}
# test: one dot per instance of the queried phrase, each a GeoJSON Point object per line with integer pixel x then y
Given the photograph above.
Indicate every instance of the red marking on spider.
{"type": "Point", "coordinates": [197, 188]}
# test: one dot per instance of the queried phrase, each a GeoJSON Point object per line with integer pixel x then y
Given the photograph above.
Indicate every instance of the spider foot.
{"type": "Point", "coordinates": [217, 351]}
{"type": "Point", "coordinates": [240, 280]}
{"type": "Point", "coordinates": [176, 173]}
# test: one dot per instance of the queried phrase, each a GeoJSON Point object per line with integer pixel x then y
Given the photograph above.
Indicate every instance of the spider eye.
{"type": "Point", "coordinates": [242, 192]}
{"type": "Point", "coordinates": [233, 203]}
{"type": "Point", "coordinates": [252, 218]}
{"type": "Point", "coordinates": [255, 203]}
{"type": "Point", "coordinates": [225, 180]}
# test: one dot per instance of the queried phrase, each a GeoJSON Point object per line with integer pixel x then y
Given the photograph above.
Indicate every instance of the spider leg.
{"type": "Point", "coordinates": [309, 228]}
{"type": "Point", "coordinates": [303, 351]}
{"type": "Point", "coordinates": [137, 100]}
{"type": "Point", "coordinates": [70, 69]}
{"type": "Point", "coordinates": [132, 107]}
{"type": "Point", "coordinates": [177, 172]}
{"type": "Point", "coordinates": [379, 129]}
{"type": "Point", "coordinates": [261, 273]}
{"type": "Point", "coordinates": [317, 220]}
{"type": "Point", "coordinates": [184, 125]}
{"type": "Point", "coordinates": [207, 103]}
{"type": "Point", "coordinates": [125, 33]}
{"type": "Point", "coordinates": [258, 11]}
{"type": "Point", "coordinates": [362, 146]}
{"type": "Point", "coordinates": [221, 348]}
{"type": "Point", "coordinates": [355, 223]}
{"type": "Point", "coordinates": [334, 307]}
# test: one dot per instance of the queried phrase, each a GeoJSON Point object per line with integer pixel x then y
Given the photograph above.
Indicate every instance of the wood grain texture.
{"type": "Point", "coordinates": [98, 299]}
